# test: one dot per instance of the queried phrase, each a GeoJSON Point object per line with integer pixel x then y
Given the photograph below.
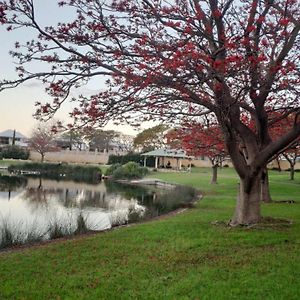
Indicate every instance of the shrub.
{"type": "Point", "coordinates": [124, 159]}
{"type": "Point", "coordinates": [15, 152]}
{"type": "Point", "coordinates": [74, 172]}
{"type": "Point", "coordinates": [112, 168]}
{"type": "Point", "coordinates": [131, 170]}
{"type": "Point", "coordinates": [1, 156]}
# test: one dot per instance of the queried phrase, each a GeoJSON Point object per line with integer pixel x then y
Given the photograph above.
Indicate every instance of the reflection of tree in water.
{"type": "Point", "coordinates": [160, 201]}
{"type": "Point", "coordinates": [157, 200]}
{"type": "Point", "coordinates": [38, 198]}
{"type": "Point", "coordinates": [11, 183]}
{"type": "Point", "coordinates": [84, 198]}
{"type": "Point", "coordinates": [129, 191]}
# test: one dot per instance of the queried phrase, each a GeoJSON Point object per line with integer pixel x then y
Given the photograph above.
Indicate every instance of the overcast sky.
{"type": "Point", "coordinates": [17, 105]}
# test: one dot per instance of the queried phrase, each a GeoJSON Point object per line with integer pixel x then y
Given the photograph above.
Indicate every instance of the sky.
{"type": "Point", "coordinates": [17, 105]}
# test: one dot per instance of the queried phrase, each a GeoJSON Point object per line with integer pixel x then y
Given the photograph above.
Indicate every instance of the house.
{"type": "Point", "coordinates": [10, 137]}
{"type": "Point", "coordinates": [168, 158]}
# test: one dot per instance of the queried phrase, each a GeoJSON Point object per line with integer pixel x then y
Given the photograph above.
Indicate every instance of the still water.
{"type": "Point", "coordinates": [32, 206]}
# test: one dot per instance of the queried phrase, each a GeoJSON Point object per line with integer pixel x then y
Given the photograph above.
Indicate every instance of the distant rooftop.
{"type": "Point", "coordinates": [176, 153]}
{"type": "Point", "coordinates": [10, 133]}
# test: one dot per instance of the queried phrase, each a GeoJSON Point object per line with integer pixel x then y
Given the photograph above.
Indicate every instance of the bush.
{"type": "Point", "coordinates": [1, 156]}
{"type": "Point", "coordinates": [112, 168]}
{"type": "Point", "coordinates": [15, 152]}
{"type": "Point", "coordinates": [124, 159]}
{"type": "Point", "coordinates": [131, 170]}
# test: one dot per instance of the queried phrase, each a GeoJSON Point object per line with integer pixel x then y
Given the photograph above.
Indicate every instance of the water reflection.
{"type": "Point", "coordinates": [30, 205]}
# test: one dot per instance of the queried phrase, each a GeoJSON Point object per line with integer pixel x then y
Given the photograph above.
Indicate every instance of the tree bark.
{"type": "Point", "coordinates": [42, 158]}
{"type": "Point", "coordinates": [214, 178]}
{"type": "Point", "coordinates": [292, 171]}
{"type": "Point", "coordinates": [265, 195]}
{"type": "Point", "coordinates": [278, 162]}
{"type": "Point", "coordinates": [248, 201]}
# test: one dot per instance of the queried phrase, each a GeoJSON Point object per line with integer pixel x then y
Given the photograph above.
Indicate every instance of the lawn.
{"type": "Point", "coordinates": [180, 257]}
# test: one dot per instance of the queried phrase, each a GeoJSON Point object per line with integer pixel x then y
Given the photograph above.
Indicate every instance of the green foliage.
{"type": "Point", "coordinates": [112, 168]}
{"type": "Point", "coordinates": [151, 138]}
{"type": "Point", "coordinates": [74, 172]}
{"type": "Point", "coordinates": [15, 152]}
{"type": "Point", "coordinates": [11, 182]}
{"type": "Point", "coordinates": [123, 159]}
{"type": "Point", "coordinates": [1, 156]}
{"type": "Point", "coordinates": [131, 170]}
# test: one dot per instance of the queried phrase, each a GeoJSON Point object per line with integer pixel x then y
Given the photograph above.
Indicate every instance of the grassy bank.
{"type": "Point", "coordinates": [182, 257]}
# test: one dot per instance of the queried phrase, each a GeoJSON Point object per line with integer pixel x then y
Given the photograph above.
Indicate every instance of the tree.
{"type": "Point", "coordinates": [42, 140]}
{"type": "Point", "coordinates": [292, 151]}
{"type": "Point", "coordinates": [71, 139]}
{"type": "Point", "coordinates": [198, 140]}
{"type": "Point", "coordinates": [151, 138]}
{"type": "Point", "coordinates": [291, 155]}
{"type": "Point", "coordinates": [169, 60]}
{"type": "Point", "coordinates": [101, 140]}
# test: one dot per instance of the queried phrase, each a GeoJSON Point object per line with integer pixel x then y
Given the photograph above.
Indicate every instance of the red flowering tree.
{"type": "Point", "coordinates": [42, 140]}
{"type": "Point", "coordinates": [292, 151]}
{"type": "Point", "coordinates": [198, 140]}
{"type": "Point", "coordinates": [166, 60]}
{"type": "Point", "coordinates": [291, 155]}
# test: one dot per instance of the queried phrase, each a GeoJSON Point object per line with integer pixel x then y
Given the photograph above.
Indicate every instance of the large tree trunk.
{"type": "Point", "coordinates": [265, 195]}
{"type": "Point", "coordinates": [214, 178]}
{"type": "Point", "coordinates": [248, 201]}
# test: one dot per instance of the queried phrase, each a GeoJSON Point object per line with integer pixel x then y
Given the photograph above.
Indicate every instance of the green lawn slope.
{"type": "Point", "coordinates": [179, 257]}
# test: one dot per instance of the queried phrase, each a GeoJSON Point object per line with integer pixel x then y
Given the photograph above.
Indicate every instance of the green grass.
{"type": "Point", "coordinates": [181, 257]}
{"type": "Point", "coordinates": [9, 162]}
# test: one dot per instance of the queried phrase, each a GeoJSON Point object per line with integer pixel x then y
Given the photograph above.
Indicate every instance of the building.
{"type": "Point", "coordinates": [168, 158]}
{"type": "Point", "coordinates": [10, 137]}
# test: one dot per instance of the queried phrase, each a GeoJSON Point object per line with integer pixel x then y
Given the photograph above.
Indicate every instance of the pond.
{"type": "Point", "coordinates": [35, 209]}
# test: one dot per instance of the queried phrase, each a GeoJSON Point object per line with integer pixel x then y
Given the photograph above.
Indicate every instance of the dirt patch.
{"type": "Point", "coordinates": [265, 223]}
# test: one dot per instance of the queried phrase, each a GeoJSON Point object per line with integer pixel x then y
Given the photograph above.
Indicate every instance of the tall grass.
{"type": "Point", "coordinates": [11, 234]}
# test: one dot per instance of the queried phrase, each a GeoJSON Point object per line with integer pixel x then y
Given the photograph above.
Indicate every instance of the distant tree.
{"type": "Point", "coordinates": [125, 141]}
{"type": "Point", "coordinates": [71, 139]}
{"type": "Point", "coordinates": [42, 140]}
{"type": "Point", "coordinates": [291, 155]}
{"type": "Point", "coordinates": [199, 140]}
{"type": "Point", "coordinates": [151, 138]}
{"type": "Point", "coordinates": [292, 151]}
{"type": "Point", "coordinates": [101, 140]}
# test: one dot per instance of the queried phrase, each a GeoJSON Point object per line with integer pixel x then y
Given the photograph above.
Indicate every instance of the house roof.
{"type": "Point", "coordinates": [9, 134]}
{"type": "Point", "coordinates": [176, 153]}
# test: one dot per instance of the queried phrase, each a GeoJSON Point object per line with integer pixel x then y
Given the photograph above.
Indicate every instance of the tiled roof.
{"type": "Point", "coordinates": [9, 133]}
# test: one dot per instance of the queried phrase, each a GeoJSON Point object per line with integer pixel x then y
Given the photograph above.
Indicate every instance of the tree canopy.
{"type": "Point", "coordinates": [151, 138]}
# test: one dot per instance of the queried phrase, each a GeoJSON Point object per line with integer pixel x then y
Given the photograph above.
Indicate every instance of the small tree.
{"type": "Point", "coordinates": [42, 140]}
{"type": "Point", "coordinates": [198, 140]}
{"type": "Point", "coordinates": [292, 151]}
